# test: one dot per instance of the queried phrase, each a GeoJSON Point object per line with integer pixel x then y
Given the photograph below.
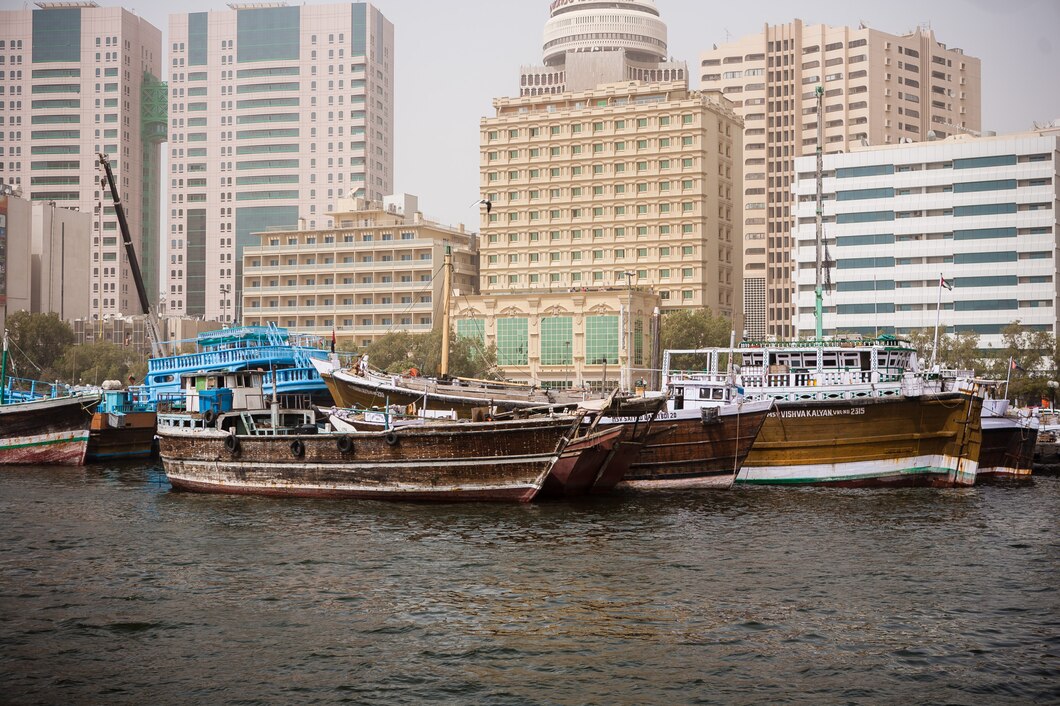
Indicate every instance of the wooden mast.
{"type": "Point", "coordinates": [447, 289]}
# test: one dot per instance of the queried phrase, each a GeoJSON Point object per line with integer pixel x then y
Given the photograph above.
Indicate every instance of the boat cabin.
{"type": "Point", "coordinates": [793, 371]}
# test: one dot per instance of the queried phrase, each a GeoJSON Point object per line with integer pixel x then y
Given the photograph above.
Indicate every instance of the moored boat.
{"type": "Point", "coordinates": [41, 422]}
{"type": "Point", "coordinates": [848, 413]}
{"type": "Point", "coordinates": [1008, 442]}
{"type": "Point", "coordinates": [212, 446]}
{"type": "Point", "coordinates": [697, 447]}
{"type": "Point", "coordinates": [369, 388]}
{"type": "Point", "coordinates": [123, 424]}
{"type": "Point", "coordinates": [284, 357]}
{"type": "Point", "coordinates": [46, 430]}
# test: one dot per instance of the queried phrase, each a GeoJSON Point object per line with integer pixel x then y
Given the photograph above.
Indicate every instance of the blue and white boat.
{"type": "Point", "coordinates": [283, 357]}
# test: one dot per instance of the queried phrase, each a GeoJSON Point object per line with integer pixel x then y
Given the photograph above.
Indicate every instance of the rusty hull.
{"type": "Point", "coordinates": [494, 461]}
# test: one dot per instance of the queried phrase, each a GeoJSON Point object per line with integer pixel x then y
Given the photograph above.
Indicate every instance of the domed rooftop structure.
{"type": "Point", "coordinates": [592, 42]}
{"type": "Point", "coordinates": [632, 26]}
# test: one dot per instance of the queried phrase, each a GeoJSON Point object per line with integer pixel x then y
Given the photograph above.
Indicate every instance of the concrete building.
{"type": "Point", "coordinates": [277, 112]}
{"type": "Point", "coordinates": [81, 79]}
{"type": "Point", "coordinates": [879, 89]}
{"type": "Point", "coordinates": [377, 270]}
{"type": "Point", "coordinates": [979, 211]}
{"type": "Point", "coordinates": [597, 194]}
{"type": "Point", "coordinates": [588, 43]}
{"type": "Point", "coordinates": [612, 197]}
{"type": "Point", "coordinates": [43, 254]}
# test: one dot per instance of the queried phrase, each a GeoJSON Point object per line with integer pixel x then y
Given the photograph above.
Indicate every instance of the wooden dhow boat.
{"type": "Point", "coordinates": [41, 423]}
{"type": "Point", "coordinates": [367, 387]}
{"type": "Point", "coordinates": [1008, 442]}
{"type": "Point", "coordinates": [46, 430]}
{"type": "Point", "coordinates": [848, 413]}
{"type": "Point", "coordinates": [238, 443]}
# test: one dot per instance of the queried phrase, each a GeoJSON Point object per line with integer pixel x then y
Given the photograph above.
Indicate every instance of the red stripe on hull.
{"type": "Point", "coordinates": [66, 453]}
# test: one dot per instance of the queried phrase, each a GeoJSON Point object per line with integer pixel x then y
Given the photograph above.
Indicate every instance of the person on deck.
{"type": "Point", "coordinates": [363, 365]}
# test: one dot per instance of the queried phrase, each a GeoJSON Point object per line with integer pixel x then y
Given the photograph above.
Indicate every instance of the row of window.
{"type": "Point", "coordinates": [595, 148]}
{"type": "Point", "coordinates": [577, 255]}
{"type": "Point", "coordinates": [581, 170]}
{"type": "Point", "coordinates": [596, 126]}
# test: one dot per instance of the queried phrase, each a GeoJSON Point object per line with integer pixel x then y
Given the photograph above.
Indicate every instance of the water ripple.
{"type": "Point", "coordinates": [114, 589]}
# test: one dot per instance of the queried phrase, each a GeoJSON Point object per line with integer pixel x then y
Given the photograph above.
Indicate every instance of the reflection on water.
{"type": "Point", "coordinates": [113, 588]}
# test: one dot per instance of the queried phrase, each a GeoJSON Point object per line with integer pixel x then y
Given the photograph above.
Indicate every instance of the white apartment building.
{"type": "Point", "coordinates": [979, 211]}
{"type": "Point", "coordinates": [77, 79]}
{"type": "Point", "coordinates": [276, 112]}
{"type": "Point", "coordinates": [879, 88]}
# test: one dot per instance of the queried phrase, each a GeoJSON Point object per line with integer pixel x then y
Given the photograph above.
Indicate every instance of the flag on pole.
{"type": "Point", "coordinates": [944, 283]}
{"type": "Point", "coordinates": [333, 340]}
{"type": "Point", "coordinates": [1013, 365]}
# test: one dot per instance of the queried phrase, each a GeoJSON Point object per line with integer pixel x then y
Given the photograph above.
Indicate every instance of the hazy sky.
{"type": "Point", "coordinates": [454, 57]}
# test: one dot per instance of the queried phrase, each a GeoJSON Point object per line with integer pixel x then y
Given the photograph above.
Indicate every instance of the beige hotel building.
{"type": "Point", "coordinates": [879, 89]}
{"type": "Point", "coordinates": [607, 205]}
{"type": "Point", "coordinates": [612, 200]}
{"type": "Point", "coordinates": [377, 270]}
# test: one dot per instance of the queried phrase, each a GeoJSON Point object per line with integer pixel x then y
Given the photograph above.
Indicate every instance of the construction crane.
{"type": "Point", "coordinates": [134, 263]}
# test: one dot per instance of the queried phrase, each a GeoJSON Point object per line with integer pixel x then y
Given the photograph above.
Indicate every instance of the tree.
{"type": "Point", "coordinates": [37, 342]}
{"type": "Point", "coordinates": [684, 329]}
{"type": "Point", "coordinates": [92, 363]}
{"type": "Point", "coordinates": [959, 351]}
{"type": "Point", "coordinates": [1025, 361]}
{"type": "Point", "coordinates": [397, 352]}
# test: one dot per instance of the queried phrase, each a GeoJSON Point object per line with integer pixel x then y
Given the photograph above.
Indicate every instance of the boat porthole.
{"type": "Point", "coordinates": [344, 444]}
{"type": "Point", "coordinates": [297, 448]}
{"type": "Point", "coordinates": [232, 443]}
{"type": "Point", "coordinates": [391, 438]}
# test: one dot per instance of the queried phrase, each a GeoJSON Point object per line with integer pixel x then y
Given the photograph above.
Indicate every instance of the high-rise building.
{"type": "Point", "coordinates": [977, 212]}
{"type": "Point", "coordinates": [376, 271]}
{"type": "Point", "coordinates": [609, 203]}
{"type": "Point", "coordinates": [276, 112]}
{"type": "Point", "coordinates": [79, 79]}
{"type": "Point", "coordinates": [879, 88]}
{"type": "Point", "coordinates": [588, 43]}
{"type": "Point", "coordinates": [43, 251]}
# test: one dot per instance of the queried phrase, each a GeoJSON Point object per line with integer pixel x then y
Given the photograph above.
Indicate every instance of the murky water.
{"type": "Point", "coordinates": [113, 589]}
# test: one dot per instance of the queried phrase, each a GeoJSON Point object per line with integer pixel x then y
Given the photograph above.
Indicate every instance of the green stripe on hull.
{"type": "Point", "coordinates": [45, 442]}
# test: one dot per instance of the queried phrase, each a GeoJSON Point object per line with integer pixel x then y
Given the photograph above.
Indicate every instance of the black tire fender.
{"type": "Point", "coordinates": [391, 438]}
{"type": "Point", "coordinates": [297, 448]}
{"type": "Point", "coordinates": [232, 443]}
{"type": "Point", "coordinates": [344, 444]}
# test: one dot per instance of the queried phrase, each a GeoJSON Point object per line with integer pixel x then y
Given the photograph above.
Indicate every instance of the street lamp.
{"type": "Point", "coordinates": [1052, 384]}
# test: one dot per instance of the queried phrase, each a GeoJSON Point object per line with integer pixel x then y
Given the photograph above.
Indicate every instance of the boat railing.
{"type": "Point", "coordinates": [223, 357]}
{"type": "Point", "coordinates": [27, 389]}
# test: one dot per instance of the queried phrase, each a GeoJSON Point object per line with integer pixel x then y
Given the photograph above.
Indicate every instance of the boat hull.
{"type": "Point", "coordinates": [686, 449]}
{"type": "Point", "coordinates": [498, 461]}
{"type": "Point", "coordinates": [1008, 449]}
{"type": "Point", "coordinates": [46, 431]}
{"type": "Point", "coordinates": [355, 391]}
{"type": "Point", "coordinates": [931, 440]}
{"type": "Point", "coordinates": [582, 463]}
{"type": "Point", "coordinates": [135, 439]}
